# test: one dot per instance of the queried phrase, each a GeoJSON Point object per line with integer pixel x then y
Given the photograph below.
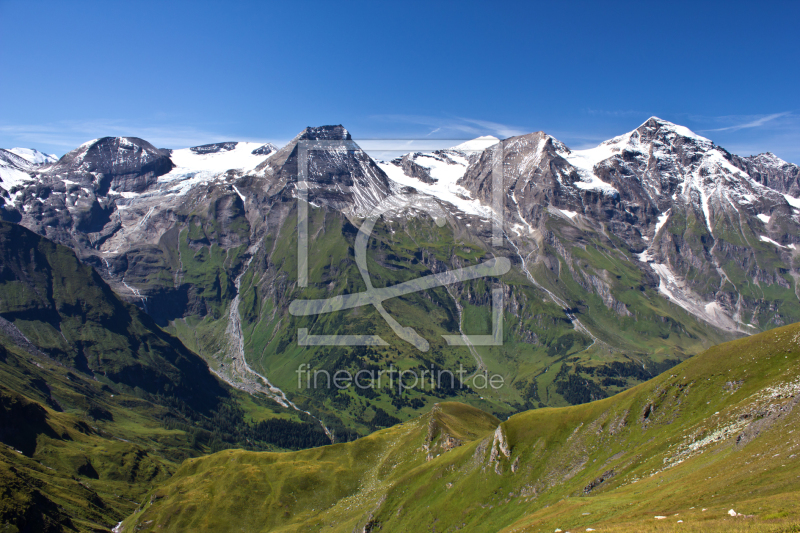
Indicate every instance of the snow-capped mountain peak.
{"type": "Point", "coordinates": [654, 125]}
{"type": "Point", "coordinates": [478, 143]}
{"type": "Point", "coordinates": [35, 157]}
{"type": "Point", "coordinates": [127, 164]}
{"type": "Point", "coordinates": [654, 131]}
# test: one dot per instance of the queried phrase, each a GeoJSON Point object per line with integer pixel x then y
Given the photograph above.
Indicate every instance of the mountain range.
{"type": "Point", "coordinates": [626, 258]}
{"type": "Point", "coordinates": [153, 335]}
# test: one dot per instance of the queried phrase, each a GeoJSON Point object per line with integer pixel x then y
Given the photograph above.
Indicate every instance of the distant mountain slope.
{"type": "Point", "coordinates": [33, 156]}
{"type": "Point", "coordinates": [65, 309]}
{"type": "Point", "coordinates": [772, 171]}
{"type": "Point", "coordinates": [626, 258]}
{"type": "Point", "coordinates": [15, 170]}
{"type": "Point", "coordinates": [710, 435]}
{"type": "Point", "coordinates": [97, 403]}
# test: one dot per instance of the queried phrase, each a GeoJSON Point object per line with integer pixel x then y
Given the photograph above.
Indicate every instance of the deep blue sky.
{"type": "Point", "coordinates": [188, 73]}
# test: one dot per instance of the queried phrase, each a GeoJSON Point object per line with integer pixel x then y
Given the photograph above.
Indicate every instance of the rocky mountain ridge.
{"type": "Point", "coordinates": [638, 186]}
{"type": "Point", "coordinates": [648, 247]}
{"type": "Point", "coordinates": [19, 165]}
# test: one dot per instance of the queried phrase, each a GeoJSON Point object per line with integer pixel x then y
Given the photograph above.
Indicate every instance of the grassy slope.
{"type": "Point", "coordinates": [78, 454]}
{"type": "Point", "coordinates": [64, 308]}
{"type": "Point", "coordinates": [101, 404]}
{"type": "Point", "coordinates": [713, 433]}
{"type": "Point", "coordinates": [82, 463]}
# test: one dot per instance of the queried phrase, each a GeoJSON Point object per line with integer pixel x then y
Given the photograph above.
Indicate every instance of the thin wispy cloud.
{"type": "Point", "coordinates": [70, 134]}
{"type": "Point", "coordinates": [454, 127]}
{"type": "Point", "coordinates": [754, 123]}
{"type": "Point", "coordinates": [498, 129]}
{"type": "Point", "coordinates": [744, 135]}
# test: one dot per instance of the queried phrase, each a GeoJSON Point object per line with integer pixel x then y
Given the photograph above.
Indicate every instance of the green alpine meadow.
{"type": "Point", "coordinates": [712, 434]}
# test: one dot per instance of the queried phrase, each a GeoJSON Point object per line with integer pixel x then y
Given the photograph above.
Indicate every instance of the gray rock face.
{"type": "Point", "coordinates": [412, 168]}
{"type": "Point", "coordinates": [771, 171]}
{"type": "Point", "coordinates": [536, 176]}
{"type": "Point", "coordinates": [265, 149]}
{"type": "Point", "coordinates": [122, 164]}
{"type": "Point", "coordinates": [214, 148]}
{"type": "Point", "coordinates": [344, 178]}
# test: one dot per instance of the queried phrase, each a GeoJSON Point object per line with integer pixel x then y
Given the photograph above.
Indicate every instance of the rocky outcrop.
{"type": "Point", "coordinates": [265, 149]}
{"type": "Point", "coordinates": [214, 148]}
{"type": "Point", "coordinates": [499, 449]}
{"type": "Point", "coordinates": [414, 169]}
{"type": "Point", "coordinates": [605, 476]}
{"type": "Point", "coordinates": [437, 439]}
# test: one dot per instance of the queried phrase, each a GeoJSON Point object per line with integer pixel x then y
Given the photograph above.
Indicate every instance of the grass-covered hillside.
{"type": "Point", "coordinates": [712, 434]}
{"type": "Point", "coordinates": [97, 403]}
